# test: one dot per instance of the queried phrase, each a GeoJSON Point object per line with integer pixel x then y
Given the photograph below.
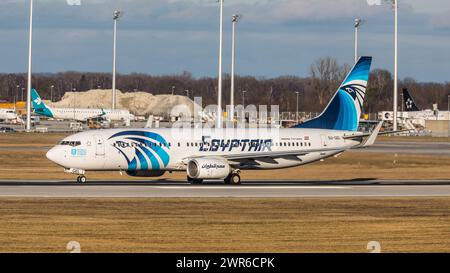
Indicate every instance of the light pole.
{"type": "Point", "coordinates": [30, 55]}
{"type": "Point", "coordinates": [235, 20]}
{"type": "Point", "coordinates": [16, 95]}
{"type": "Point", "coordinates": [395, 6]}
{"type": "Point", "coordinates": [358, 23]}
{"type": "Point", "coordinates": [243, 98]}
{"type": "Point", "coordinates": [116, 17]}
{"type": "Point", "coordinates": [402, 102]}
{"type": "Point", "coordinates": [74, 102]}
{"type": "Point", "coordinates": [448, 113]}
{"type": "Point", "coordinates": [219, 88]}
{"type": "Point", "coordinates": [296, 113]}
{"type": "Point", "coordinates": [51, 92]}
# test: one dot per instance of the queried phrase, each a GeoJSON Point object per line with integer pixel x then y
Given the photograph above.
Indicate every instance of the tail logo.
{"type": "Point", "coordinates": [38, 101]}
{"type": "Point", "coordinates": [142, 150]}
{"type": "Point", "coordinates": [409, 104]}
{"type": "Point", "coordinates": [356, 91]}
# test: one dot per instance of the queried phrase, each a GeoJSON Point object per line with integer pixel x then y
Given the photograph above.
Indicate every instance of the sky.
{"type": "Point", "coordinates": [274, 38]}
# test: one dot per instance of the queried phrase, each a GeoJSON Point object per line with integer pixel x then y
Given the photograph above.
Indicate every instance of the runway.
{"type": "Point", "coordinates": [403, 147]}
{"type": "Point", "coordinates": [251, 189]}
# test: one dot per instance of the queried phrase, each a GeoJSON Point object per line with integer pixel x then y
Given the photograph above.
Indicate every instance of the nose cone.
{"type": "Point", "coordinates": [53, 155]}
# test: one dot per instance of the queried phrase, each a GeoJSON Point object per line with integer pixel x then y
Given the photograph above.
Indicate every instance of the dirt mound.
{"type": "Point", "coordinates": [139, 103]}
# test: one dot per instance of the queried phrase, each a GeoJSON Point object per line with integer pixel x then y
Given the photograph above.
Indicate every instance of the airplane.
{"type": "Point", "coordinates": [10, 116]}
{"type": "Point", "coordinates": [412, 113]}
{"type": "Point", "coordinates": [77, 114]}
{"type": "Point", "coordinates": [408, 102]}
{"type": "Point", "coordinates": [216, 153]}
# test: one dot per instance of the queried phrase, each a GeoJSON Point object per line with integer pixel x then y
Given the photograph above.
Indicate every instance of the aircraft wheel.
{"type": "Point", "coordinates": [81, 179]}
{"type": "Point", "coordinates": [235, 179]}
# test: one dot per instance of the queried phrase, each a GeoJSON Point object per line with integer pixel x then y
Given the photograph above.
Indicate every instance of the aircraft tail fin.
{"type": "Point", "coordinates": [39, 106]}
{"type": "Point", "coordinates": [408, 102]}
{"type": "Point", "coordinates": [344, 109]}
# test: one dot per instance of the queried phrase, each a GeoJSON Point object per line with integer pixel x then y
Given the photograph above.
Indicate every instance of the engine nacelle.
{"type": "Point", "coordinates": [146, 173]}
{"type": "Point", "coordinates": [208, 169]}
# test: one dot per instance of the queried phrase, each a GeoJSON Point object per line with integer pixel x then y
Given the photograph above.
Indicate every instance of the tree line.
{"type": "Point", "coordinates": [315, 90]}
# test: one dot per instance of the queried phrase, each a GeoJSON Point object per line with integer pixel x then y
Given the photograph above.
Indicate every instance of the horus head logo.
{"type": "Point", "coordinates": [142, 150]}
{"type": "Point", "coordinates": [351, 91]}
{"type": "Point", "coordinates": [356, 91]}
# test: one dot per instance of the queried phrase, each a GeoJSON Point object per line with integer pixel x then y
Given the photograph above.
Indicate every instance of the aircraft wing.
{"type": "Point", "coordinates": [279, 154]}
{"type": "Point", "coordinates": [271, 155]}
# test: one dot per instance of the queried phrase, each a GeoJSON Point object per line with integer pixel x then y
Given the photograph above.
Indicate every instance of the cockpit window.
{"type": "Point", "coordinates": [71, 143]}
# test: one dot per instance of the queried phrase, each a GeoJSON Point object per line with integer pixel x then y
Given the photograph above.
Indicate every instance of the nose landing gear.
{"type": "Point", "coordinates": [81, 179]}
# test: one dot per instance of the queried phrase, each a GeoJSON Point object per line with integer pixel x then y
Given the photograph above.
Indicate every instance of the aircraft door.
{"type": "Point", "coordinates": [99, 146]}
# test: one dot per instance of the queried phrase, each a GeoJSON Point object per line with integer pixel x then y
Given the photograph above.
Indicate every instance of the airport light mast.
{"type": "Point", "coordinates": [395, 6]}
{"type": "Point", "coordinates": [219, 87]}
{"type": "Point", "coordinates": [448, 113]}
{"type": "Point", "coordinates": [243, 98]}
{"type": "Point", "coordinates": [51, 92]}
{"type": "Point", "coordinates": [358, 23]}
{"type": "Point", "coordinates": [30, 55]}
{"type": "Point", "coordinates": [234, 20]}
{"type": "Point", "coordinates": [117, 15]}
{"type": "Point", "coordinates": [296, 113]}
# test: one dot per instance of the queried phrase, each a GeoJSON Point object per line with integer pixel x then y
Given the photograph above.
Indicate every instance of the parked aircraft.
{"type": "Point", "coordinates": [78, 114]}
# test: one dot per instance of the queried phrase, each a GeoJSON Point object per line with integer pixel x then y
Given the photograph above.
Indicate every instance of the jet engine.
{"type": "Point", "coordinates": [208, 169]}
{"type": "Point", "coordinates": [146, 173]}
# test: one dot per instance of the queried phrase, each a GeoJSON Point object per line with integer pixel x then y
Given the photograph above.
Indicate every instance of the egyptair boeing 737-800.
{"type": "Point", "coordinates": [222, 153]}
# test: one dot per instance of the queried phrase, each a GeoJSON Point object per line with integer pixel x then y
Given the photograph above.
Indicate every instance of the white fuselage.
{"type": "Point", "coordinates": [168, 149]}
{"type": "Point", "coordinates": [9, 115]}
{"type": "Point", "coordinates": [85, 114]}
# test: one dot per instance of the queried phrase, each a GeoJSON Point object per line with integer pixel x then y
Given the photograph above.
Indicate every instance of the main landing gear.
{"type": "Point", "coordinates": [234, 178]}
{"type": "Point", "coordinates": [81, 179]}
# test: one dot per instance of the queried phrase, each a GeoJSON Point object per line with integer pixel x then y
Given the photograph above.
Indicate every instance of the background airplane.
{"type": "Point", "coordinates": [78, 114]}
{"type": "Point", "coordinates": [10, 116]}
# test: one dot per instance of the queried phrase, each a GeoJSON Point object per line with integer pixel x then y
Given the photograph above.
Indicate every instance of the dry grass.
{"type": "Point", "coordinates": [30, 140]}
{"type": "Point", "coordinates": [225, 225]}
